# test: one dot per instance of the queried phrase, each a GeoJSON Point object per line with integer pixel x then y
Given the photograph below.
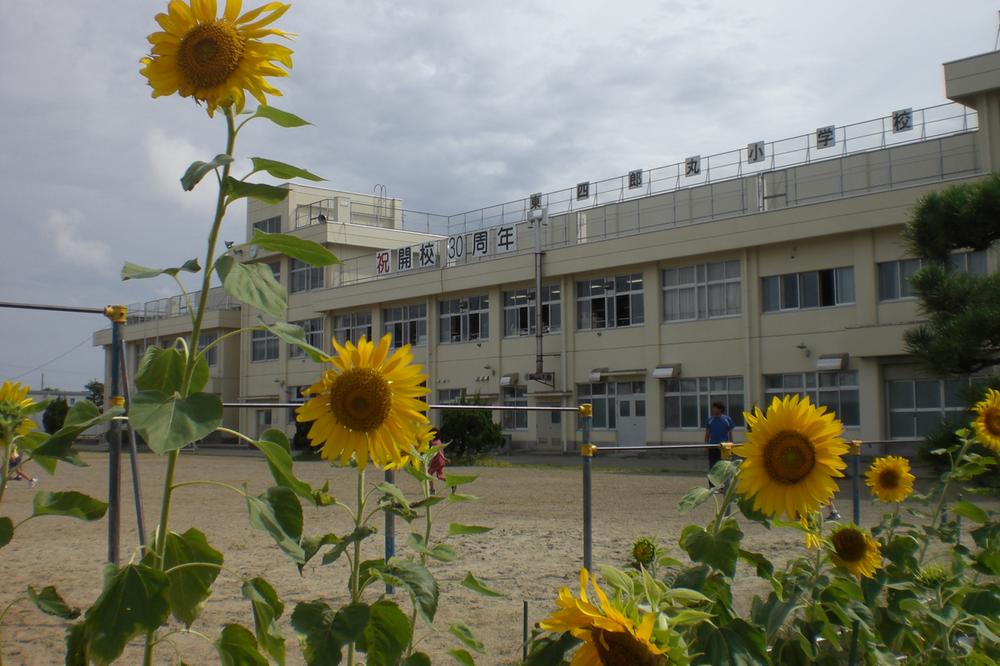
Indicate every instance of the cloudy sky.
{"type": "Point", "coordinates": [452, 105]}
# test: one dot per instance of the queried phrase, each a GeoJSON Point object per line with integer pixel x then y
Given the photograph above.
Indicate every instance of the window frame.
{"type": "Point", "coordinates": [212, 355]}
{"type": "Point", "coordinates": [464, 315]}
{"type": "Point", "coordinates": [812, 384]}
{"type": "Point", "coordinates": [266, 225]}
{"type": "Point", "coordinates": [266, 340]}
{"type": "Point", "coordinates": [942, 410]}
{"type": "Point", "coordinates": [524, 308]}
{"type": "Point", "coordinates": [704, 395]}
{"type": "Point", "coordinates": [303, 277]}
{"type": "Point", "coordinates": [346, 326]}
{"type": "Point", "coordinates": [514, 396]}
{"type": "Point", "coordinates": [790, 286]}
{"type": "Point", "coordinates": [314, 336]}
{"type": "Point", "coordinates": [409, 324]}
{"type": "Point", "coordinates": [613, 293]}
{"type": "Point", "coordinates": [605, 405]}
{"type": "Point", "coordinates": [700, 284]}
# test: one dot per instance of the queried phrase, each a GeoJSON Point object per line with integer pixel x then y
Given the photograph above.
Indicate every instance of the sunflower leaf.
{"type": "Point", "coordinates": [694, 498]}
{"type": "Point", "coordinates": [132, 271]}
{"type": "Point", "coordinates": [279, 117]}
{"type": "Point", "coordinates": [199, 170]}
{"type": "Point", "coordinates": [267, 608]}
{"type": "Point", "coordinates": [720, 550]}
{"type": "Point", "coordinates": [477, 586]}
{"type": "Point", "coordinates": [238, 189]}
{"type": "Point", "coordinates": [253, 284]}
{"type": "Point", "coordinates": [294, 335]}
{"type": "Point", "coordinates": [238, 647]}
{"type": "Point", "coordinates": [302, 249]}
{"type": "Point", "coordinates": [457, 529]}
{"type": "Point", "coordinates": [279, 513]}
{"type": "Point", "coordinates": [462, 632]}
{"type": "Point", "coordinates": [49, 601]}
{"type": "Point", "coordinates": [274, 445]}
{"type": "Point", "coordinates": [282, 170]}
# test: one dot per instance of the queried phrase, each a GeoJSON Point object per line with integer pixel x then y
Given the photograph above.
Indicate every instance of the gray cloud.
{"type": "Point", "coordinates": [453, 105]}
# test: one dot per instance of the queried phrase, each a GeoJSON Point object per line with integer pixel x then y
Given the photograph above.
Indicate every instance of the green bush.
{"type": "Point", "coordinates": [54, 415]}
{"type": "Point", "coordinates": [469, 433]}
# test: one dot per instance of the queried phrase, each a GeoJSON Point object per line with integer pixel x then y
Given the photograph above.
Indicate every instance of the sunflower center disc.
{"type": "Point", "coordinates": [789, 457]}
{"type": "Point", "coordinates": [889, 478]}
{"type": "Point", "coordinates": [850, 545]}
{"type": "Point", "coordinates": [617, 648]}
{"type": "Point", "coordinates": [992, 422]}
{"type": "Point", "coordinates": [209, 54]}
{"type": "Point", "coordinates": [360, 399]}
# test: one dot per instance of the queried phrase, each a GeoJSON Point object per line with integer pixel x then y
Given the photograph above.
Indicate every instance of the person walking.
{"type": "Point", "coordinates": [718, 429]}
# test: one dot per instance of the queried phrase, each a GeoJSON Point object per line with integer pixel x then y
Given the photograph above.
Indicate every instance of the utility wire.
{"type": "Point", "coordinates": [53, 360]}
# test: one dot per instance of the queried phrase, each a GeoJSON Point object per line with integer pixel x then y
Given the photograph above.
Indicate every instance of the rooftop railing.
{"type": "Point", "coordinates": [177, 306]}
{"type": "Point", "coordinates": [863, 158]}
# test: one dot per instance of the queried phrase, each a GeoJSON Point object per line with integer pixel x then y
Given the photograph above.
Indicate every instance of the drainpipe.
{"type": "Point", "coordinates": [538, 217]}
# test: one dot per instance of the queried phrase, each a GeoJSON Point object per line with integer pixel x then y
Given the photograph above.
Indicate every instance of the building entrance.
{"type": "Point", "coordinates": [631, 425]}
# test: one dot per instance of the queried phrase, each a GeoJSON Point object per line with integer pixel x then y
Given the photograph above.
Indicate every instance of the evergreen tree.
{"type": "Point", "coordinates": [55, 415]}
{"type": "Point", "coordinates": [95, 392]}
{"type": "Point", "coordinates": [962, 333]}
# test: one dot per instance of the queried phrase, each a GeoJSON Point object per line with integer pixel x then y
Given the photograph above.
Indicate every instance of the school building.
{"type": "Point", "coordinates": [775, 268]}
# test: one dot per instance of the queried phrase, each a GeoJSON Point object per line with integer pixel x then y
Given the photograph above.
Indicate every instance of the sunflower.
{"type": "Point", "coordinates": [855, 550]}
{"type": "Point", "coordinates": [216, 59]}
{"type": "Point", "coordinates": [14, 421]}
{"type": "Point", "coordinates": [987, 423]}
{"type": "Point", "coordinates": [814, 537]}
{"type": "Point", "coordinates": [791, 457]}
{"type": "Point", "coordinates": [890, 479]}
{"type": "Point", "coordinates": [610, 638]}
{"type": "Point", "coordinates": [367, 405]}
{"type": "Point", "coordinates": [424, 436]}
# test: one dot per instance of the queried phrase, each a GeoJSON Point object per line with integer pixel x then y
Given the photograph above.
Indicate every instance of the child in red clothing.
{"type": "Point", "coordinates": [436, 466]}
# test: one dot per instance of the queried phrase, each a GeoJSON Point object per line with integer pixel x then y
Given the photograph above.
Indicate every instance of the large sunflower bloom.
{"type": "Point", "coordinates": [609, 637]}
{"type": "Point", "coordinates": [791, 457]}
{"type": "Point", "coordinates": [367, 405]}
{"type": "Point", "coordinates": [855, 550]}
{"type": "Point", "coordinates": [14, 421]}
{"type": "Point", "coordinates": [216, 59]}
{"type": "Point", "coordinates": [890, 479]}
{"type": "Point", "coordinates": [987, 423]}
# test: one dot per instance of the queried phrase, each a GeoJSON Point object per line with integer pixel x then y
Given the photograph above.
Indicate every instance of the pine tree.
{"type": "Point", "coordinates": [962, 333]}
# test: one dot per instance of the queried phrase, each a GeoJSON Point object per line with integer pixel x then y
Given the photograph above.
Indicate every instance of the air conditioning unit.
{"type": "Point", "coordinates": [596, 374]}
{"type": "Point", "coordinates": [509, 379]}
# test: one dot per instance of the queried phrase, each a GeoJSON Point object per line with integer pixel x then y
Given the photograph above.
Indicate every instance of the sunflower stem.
{"type": "Point", "coordinates": [160, 541]}
{"type": "Point", "coordinates": [356, 561]}
{"type": "Point", "coordinates": [425, 487]}
{"type": "Point", "coordinates": [966, 443]}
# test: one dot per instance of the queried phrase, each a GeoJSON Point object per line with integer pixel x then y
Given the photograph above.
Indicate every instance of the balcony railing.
{"type": "Point", "coordinates": [866, 157]}
{"type": "Point", "coordinates": [177, 306]}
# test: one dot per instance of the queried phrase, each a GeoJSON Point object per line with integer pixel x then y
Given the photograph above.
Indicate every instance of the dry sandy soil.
{"type": "Point", "coordinates": [534, 548]}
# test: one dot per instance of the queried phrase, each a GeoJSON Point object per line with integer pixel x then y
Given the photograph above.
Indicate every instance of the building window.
{"type": "Point", "coordinates": [687, 402]}
{"type": "Point", "coordinates": [212, 355]}
{"type": "Point", "coordinates": [703, 291]}
{"type": "Point", "coordinates": [297, 393]}
{"type": "Point", "coordinates": [450, 396]}
{"type": "Point", "coordinates": [514, 396]}
{"type": "Point", "coordinates": [271, 225]}
{"type": "Point", "coordinates": [465, 319]}
{"type": "Point", "coordinates": [894, 279]}
{"type": "Point", "coordinates": [917, 407]}
{"type": "Point", "coordinates": [837, 391]}
{"type": "Point", "coordinates": [519, 311]}
{"type": "Point", "coordinates": [352, 326]}
{"type": "Point", "coordinates": [602, 396]}
{"type": "Point", "coordinates": [894, 276]}
{"type": "Point", "coordinates": [609, 302]}
{"type": "Point", "coordinates": [263, 417]}
{"type": "Point", "coordinates": [275, 267]}
{"type": "Point", "coordinates": [313, 330]}
{"type": "Point", "coordinates": [263, 346]}
{"type": "Point", "coordinates": [406, 323]}
{"type": "Point", "coordinates": [812, 289]}
{"type": "Point", "coordinates": [304, 277]}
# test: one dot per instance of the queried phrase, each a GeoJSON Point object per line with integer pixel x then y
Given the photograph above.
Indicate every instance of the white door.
{"type": "Point", "coordinates": [631, 421]}
{"type": "Point", "coordinates": [548, 427]}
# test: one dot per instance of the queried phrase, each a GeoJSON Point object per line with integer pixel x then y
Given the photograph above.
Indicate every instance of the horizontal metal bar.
{"type": "Point", "coordinates": [497, 408]}
{"type": "Point", "coordinates": [51, 308]}
{"type": "Point", "coordinates": [657, 447]}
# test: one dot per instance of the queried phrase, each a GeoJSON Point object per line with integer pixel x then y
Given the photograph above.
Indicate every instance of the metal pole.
{"type": "Point", "coordinates": [53, 308]}
{"type": "Point", "coordinates": [390, 530]}
{"type": "Point", "coordinates": [114, 437]}
{"type": "Point", "coordinates": [133, 452]}
{"type": "Point", "coordinates": [587, 451]}
{"type": "Point", "coordinates": [524, 631]}
{"type": "Point", "coordinates": [855, 453]}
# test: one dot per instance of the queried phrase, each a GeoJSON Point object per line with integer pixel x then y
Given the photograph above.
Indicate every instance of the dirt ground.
{"type": "Point", "coordinates": [535, 547]}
